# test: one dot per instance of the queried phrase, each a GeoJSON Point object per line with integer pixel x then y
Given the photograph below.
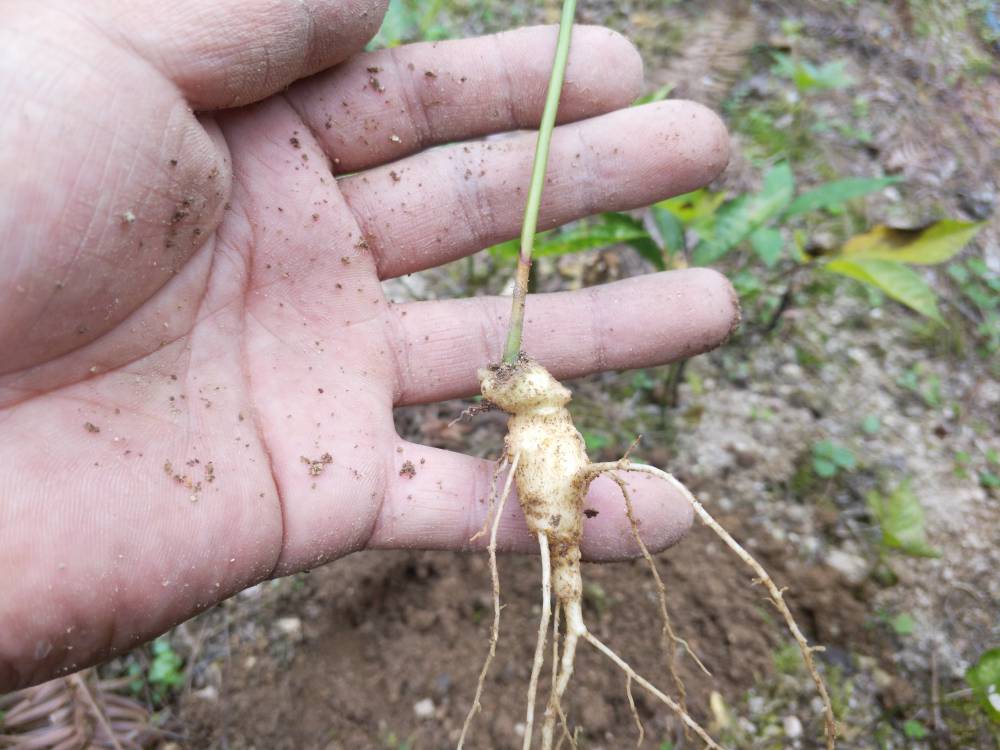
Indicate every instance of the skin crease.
{"type": "Point", "coordinates": [191, 315]}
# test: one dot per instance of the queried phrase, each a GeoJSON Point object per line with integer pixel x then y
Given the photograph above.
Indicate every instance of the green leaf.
{"type": "Point", "coordinates": [902, 521]}
{"type": "Point", "coordinates": [837, 193]}
{"type": "Point", "coordinates": [808, 77]}
{"type": "Point", "coordinates": [903, 623]}
{"type": "Point", "coordinates": [608, 229]}
{"type": "Point", "coordinates": [984, 679]}
{"type": "Point", "coordinates": [654, 96]}
{"type": "Point", "coordinates": [398, 24]}
{"type": "Point", "coordinates": [823, 467]}
{"type": "Point", "coordinates": [989, 480]}
{"type": "Point", "coordinates": [595, 441]}
{"type": "Point", "coordinates": [738, 218]}
{"type": "Point", "coordinates": [693, 208]}
{"type": "Point", "coordinates": [914, 730]}
{"type": "Point", "coordinates": [843, 457]}
{"type": "Point", "coordinates": [732, 225]}
{"type": "Point", "coordinates": [871, 424]}
{"type": "Point", "coordinates": [928, 245]}
{"type": "Point", "coordinates": [766, 242]}
{"type": "Point", "coordinates": [824, 449]}
{"type": "Point", "coordinates": [509, 249]}
{"type": "Point", "coordinates": [900, 282]}
{"type": "Point", "coordinates": [671, 229]}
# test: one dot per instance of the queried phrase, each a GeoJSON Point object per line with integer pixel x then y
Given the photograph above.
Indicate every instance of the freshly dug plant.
{"type": "Point", "coordinates": [547, 461]}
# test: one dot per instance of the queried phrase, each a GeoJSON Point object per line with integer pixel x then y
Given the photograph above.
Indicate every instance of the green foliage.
{"type": "Point", "coordinates": [808, 77]}
{"type": "Point", "coordinates": [833, 195]}
{"type": "Point", "coordinates": [984, 679]}
{"type": "Point", "coordinates": [903, 623]}
{"type": "Point", "coordinates": [979, 290]}
{"type": "Point", "coordinates": [595, 441]}
{"type": "Point", "coordinates": [737, 219]}
{"type": "Point", "coordinates": [914, 730]}
{"type": "Point", "coordinates": [927, 387]}
{"type": "Point", "coordinates": [787, 659]}
{"type": "Point", "coordinates": [766, 223]}
{"type": "Point", "coordinates": [829, 458]}
{"type": "Point", "coordinates": [607, 229]}
{"type": "Point", "coordinates": [658, 95]}
{"type": "Point", "coordinates": [408, 21]}
{"type": "Point", "coordinates": [877, 257]}
{"type": "Point", "coordinates": [929, 245]}
{"type": "Point", "coordinates": [901, 518]}
{"type": "Point", "coordinates": [900, 282]}
{"type": "Point", "coordinates": [871, 424]}
{"type": "Point", "coordinates": [164, 674]}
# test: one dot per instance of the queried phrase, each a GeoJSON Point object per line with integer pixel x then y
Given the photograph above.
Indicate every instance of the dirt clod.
{"type": "Point", "coordinates": [317, 465]}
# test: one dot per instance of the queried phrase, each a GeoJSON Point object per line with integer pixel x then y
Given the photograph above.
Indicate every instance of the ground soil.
{"type": "Point", "coordinates": [383, 632]}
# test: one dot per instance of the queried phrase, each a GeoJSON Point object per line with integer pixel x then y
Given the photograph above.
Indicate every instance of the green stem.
{"type": "Point", "coordinates": [513, 347]}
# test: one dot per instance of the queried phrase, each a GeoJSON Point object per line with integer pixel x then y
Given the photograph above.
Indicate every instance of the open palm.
{"type": "Point", "coordinates": [198, 366]}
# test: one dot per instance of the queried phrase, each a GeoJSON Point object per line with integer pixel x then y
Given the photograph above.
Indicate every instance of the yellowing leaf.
{"type": "Point", "coordinates": [928, 245]}
{"type": "Point", "coordinates": [900, 282]}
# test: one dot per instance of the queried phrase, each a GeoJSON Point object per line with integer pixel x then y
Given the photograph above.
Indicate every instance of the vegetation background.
{"type": "Point", "coordinates": [848, 434]}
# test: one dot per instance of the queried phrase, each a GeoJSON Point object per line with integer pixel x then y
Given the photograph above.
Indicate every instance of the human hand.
{"type": "Point", "coordinates": [198, 365]}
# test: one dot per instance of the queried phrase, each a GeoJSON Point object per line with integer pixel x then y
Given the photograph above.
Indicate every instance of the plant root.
{"type": "Point", "coordinates": [80, 710]}
{"type": "Point", "coordinates": [775, 594]}
{"type": "Point", "coordinates": [495, 578]}
{"type": "Point", "coordinates": [663, 697]}
{"type": "Point", "coordinates": [669, 638]}
{"type": "Point", "coordinates": [492, 498]}
{"type": "Point", "coordinates": [543, 629]}
{"type": "Point", "coordinates": [553, 473]}
{"type": "Point", "coordinates": [635, 713]}
{"type": "Point", "coordinates": [573, 613]}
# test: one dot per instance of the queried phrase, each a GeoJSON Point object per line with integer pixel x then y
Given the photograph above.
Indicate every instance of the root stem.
{"type": "Point", "coordinates": [670, 639]}
{"type": "Point", "coordinates": [664, 698]}
{"type": "Point", "coordinates": [495, 578]}
{"type": "Point", "coordinates": [830, 724]}
{"type": "Point", "coordinates": [543, 629]}
{"type": "Point", "coordinates": [573, 613]}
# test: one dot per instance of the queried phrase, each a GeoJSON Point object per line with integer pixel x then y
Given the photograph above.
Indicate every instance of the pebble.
{"type": "Point", "coordinates": [424, 709]}
{"type": "Point", "coordinates": [792, 727]}
{"type": "Point", "coordinates": [290, 626]}
{"type": "Point", "coordinates": [853, 567]}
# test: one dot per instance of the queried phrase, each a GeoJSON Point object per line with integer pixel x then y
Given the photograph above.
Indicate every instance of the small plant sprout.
{"type": "Point", "coordinates": [547, 462]}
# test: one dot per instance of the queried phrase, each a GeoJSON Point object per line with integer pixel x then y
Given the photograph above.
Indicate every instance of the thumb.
{"type": "Point", "coordinates": [227, 53]}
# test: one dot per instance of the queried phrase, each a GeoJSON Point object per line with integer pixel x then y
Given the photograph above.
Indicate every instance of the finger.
{"type": "Point", "coordinates": [384, 105]}
{"type": "Point", "coordinates": [231, 52]}
{"type": "Point", "coordinates": [443, 501]}
{"type": "Point", "coordinates": [639, 322]}
{"type": "Point", "coordinates": [450, 202]}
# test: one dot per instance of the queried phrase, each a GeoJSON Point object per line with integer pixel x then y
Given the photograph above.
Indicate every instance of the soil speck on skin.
{"type": "Point", "coordinates": [295, 142]}
{"type": "Point", "coordinates": [317, 465]}
{"type": "Point", "coordinates": [590, 513]}
{"type": "Point", "coordinates": [91, 427]}
{"type": "Point", "coordinates": [408, 470]}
